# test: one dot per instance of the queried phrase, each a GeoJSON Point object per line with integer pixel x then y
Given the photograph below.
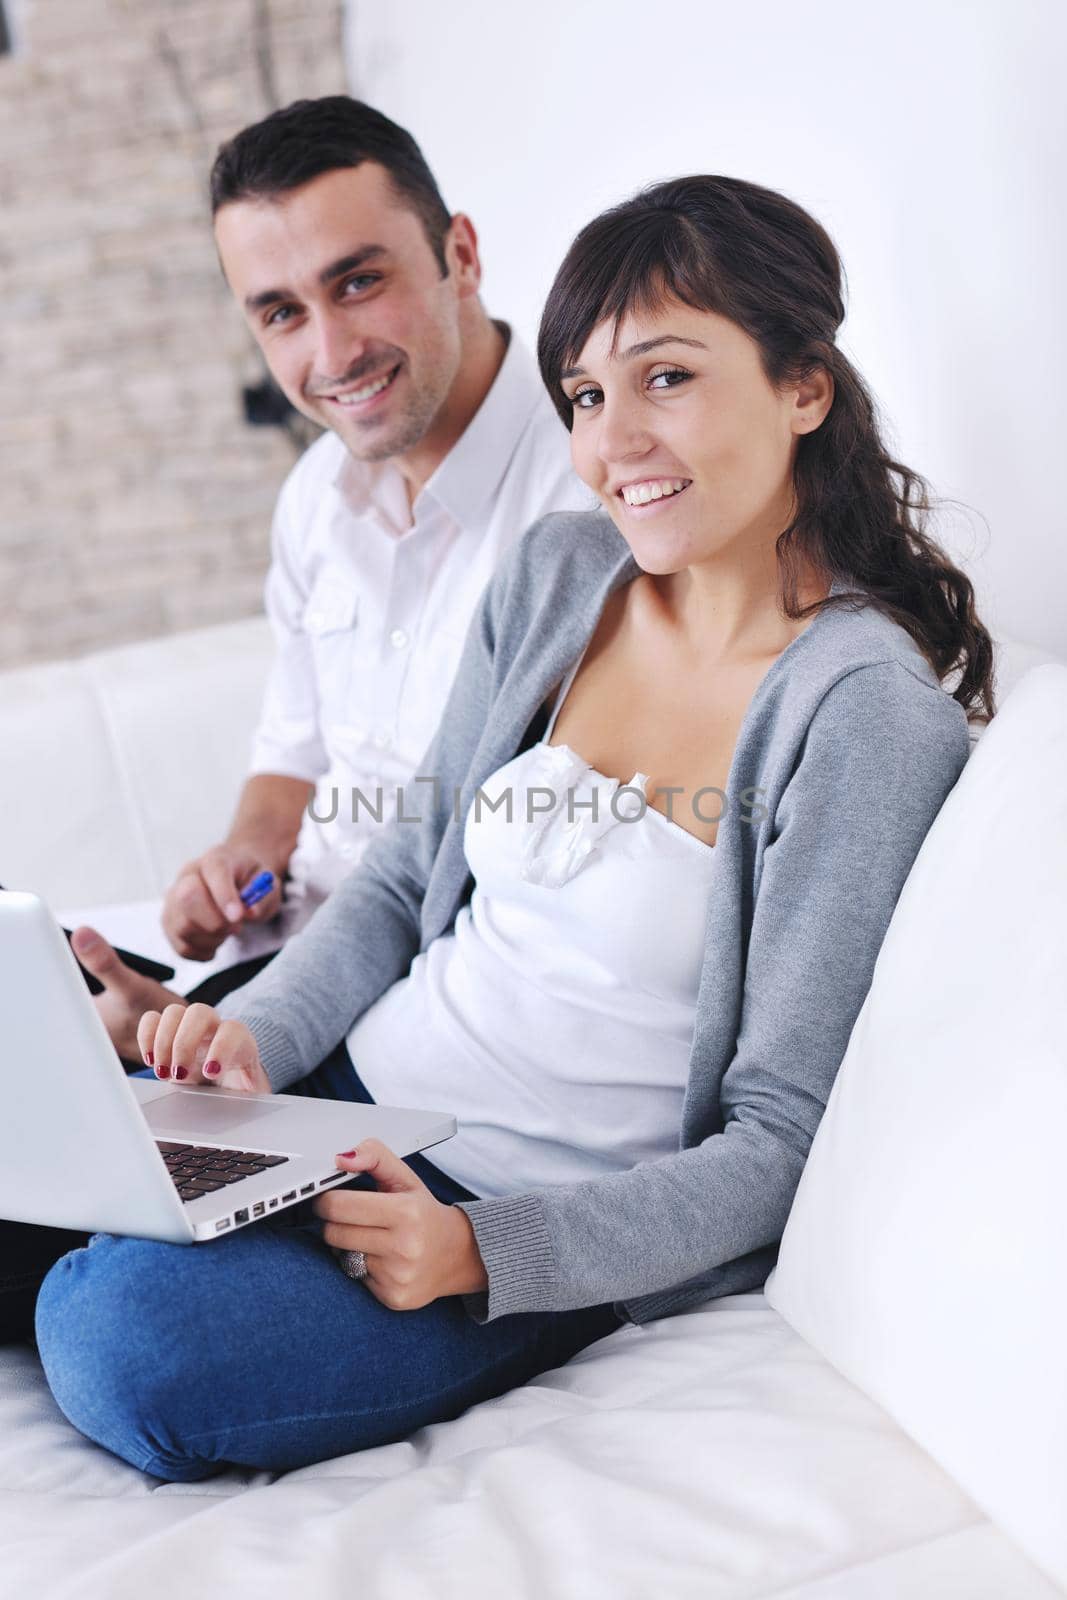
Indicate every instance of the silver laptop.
{"type": "Point", "coordinates": [82, 1145]}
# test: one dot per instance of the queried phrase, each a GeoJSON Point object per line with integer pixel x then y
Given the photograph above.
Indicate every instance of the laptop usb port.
{"type": "Point", "coordinates": [224, 1222]}
{"type": "Point", "coordinates": [309, 1188]}
{"type": "Point", "coordinates": [323, 1181]}
{"type": "Point", "coordinates": [241, 1216]}
{"type": "Point", "coordinates": [290, 1196]}
{"type": "Point", "coordinates": [259, 1208]}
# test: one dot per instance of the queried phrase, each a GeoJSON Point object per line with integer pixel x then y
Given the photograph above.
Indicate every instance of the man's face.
{"type": "Point", "coordinates": [345, 297]}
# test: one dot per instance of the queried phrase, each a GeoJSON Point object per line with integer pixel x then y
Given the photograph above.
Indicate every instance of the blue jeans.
{"type": "Point", "coordinates": [256, 1349]}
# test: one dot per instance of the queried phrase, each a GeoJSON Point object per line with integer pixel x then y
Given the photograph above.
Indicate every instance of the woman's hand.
{"type": "Point", "coordinates": [192, 1044]}
{"type": "Point", "coordinates": [417, 1249]}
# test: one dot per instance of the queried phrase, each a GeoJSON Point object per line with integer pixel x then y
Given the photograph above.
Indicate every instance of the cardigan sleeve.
{"type": "Point", "coordinates": [880, 754]}
{"type": "Point", "coordinates": [366, 934]}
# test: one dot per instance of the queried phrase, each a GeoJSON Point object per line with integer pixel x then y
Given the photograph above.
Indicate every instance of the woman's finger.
{"type": "Point", "coordinates": [358, 1208]}
{"type": "Point", "coordinates": [169, 1023]}
{"type": "Point", "coordinates": [232, 1060]}
{"type": "Point", "coordinates": [344, 1236]}
{"type": "Point", "coordinates": [146, 1036]}
{"type": "Point", "coordinates": [189, 1048]}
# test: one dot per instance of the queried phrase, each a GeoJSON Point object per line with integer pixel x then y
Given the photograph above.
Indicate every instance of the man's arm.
{"type": "Point", "coordinates": [268, 816]}
{"type": "Point", "coordinates": [203, 906]}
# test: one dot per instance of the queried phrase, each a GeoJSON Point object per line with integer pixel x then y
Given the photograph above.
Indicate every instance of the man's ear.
{"type": "Point", "coordinates": [461, 253]}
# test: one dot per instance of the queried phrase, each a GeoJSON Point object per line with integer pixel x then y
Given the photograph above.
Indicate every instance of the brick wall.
{"type": "Point", "coordinates": [134, 498]}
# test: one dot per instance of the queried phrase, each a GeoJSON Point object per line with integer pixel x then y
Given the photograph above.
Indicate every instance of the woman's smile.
{"type": "Point", "coordinates": [647, 494]}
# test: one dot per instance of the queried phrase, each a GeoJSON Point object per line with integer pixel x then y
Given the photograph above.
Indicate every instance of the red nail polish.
{"type": "Point", "coordinates": [180, 1072]}
{"type": "Point", "coordinates": [346, 1153]}
{"type": "Point", "coordinates": [163, 1070]}
{"type": "Point", "coordinates": [150, 1058]}
{"type": "Point", "coordinates": [212, 1068]}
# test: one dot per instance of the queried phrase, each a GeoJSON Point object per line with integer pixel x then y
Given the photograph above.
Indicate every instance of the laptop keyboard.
{"type": "Point", "coordinates": [198, 1170]}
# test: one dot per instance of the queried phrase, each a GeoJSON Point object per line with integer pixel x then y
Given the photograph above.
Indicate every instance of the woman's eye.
{"type": "Point", "coordinates": [669, 378]}
{"type": "Point", "coordinates": [676, 374]}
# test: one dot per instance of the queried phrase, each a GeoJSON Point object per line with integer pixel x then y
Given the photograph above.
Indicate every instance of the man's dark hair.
{"type": "Point", "coordinates": [310, 137]}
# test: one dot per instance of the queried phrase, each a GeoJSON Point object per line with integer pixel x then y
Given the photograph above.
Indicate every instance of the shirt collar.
{"type": "Point", "coordinates": [468, 477]}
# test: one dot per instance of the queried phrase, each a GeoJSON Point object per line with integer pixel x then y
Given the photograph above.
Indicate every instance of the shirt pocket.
{"type": "Point", "coordinates": [331, 623]}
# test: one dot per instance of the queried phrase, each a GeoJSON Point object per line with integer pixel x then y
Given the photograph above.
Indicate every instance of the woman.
{"type": "Point", "coordinates": [635, 993]}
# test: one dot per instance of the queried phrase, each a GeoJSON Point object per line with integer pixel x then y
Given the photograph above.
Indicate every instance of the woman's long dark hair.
{"type": "Point", "coordinates": [748, 253]}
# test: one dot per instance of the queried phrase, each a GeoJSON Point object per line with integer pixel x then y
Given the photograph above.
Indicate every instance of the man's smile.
{"type": "Point", "coordinates": [361, 398]}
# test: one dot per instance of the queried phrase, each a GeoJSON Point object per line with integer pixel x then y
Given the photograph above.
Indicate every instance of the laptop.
{"type": "Point", "coordinates": [84, 1146]}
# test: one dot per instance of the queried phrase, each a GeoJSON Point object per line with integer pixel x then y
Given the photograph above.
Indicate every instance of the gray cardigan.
{"type": "Point", "coordinates": [853, 746]}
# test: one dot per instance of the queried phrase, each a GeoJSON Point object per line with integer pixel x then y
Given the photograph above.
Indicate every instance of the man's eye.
{"type": "Point", "coordinates": [359, 280]}
{"type": "Point", "coordinates": [278, 315]}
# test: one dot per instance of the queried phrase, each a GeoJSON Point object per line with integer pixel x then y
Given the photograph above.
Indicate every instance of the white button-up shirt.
{"type": "Point", "coordinates": [370, 603]}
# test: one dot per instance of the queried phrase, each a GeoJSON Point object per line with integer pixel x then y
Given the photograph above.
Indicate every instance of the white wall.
{"type": "Point", "coordinates": [928, 138]}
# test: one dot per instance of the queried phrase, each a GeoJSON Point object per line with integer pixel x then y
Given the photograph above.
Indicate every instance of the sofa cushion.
{"type": "Point", "coordinates": [924, 1253]}
{"type": "Point", "coordinates": [121, 765]}
{"type": "Point", "coordinates": [708, 1456]}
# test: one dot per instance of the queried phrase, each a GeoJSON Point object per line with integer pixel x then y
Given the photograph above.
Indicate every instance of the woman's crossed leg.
{"type": "Point", "coordinates": [256, 1349]}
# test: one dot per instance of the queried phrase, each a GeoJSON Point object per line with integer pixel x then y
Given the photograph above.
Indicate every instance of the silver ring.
{"type": "Point", "coordinates": [354, 1263]}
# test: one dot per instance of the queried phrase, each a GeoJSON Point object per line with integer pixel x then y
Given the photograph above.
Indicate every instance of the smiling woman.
{"type": "Point", "coordinates": [636, 1013]}
{"type": "Point", "coordinates": [705, 310]}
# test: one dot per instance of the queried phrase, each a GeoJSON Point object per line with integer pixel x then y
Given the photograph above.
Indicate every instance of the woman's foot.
{"type": "Point", "coordinates": [127, 994]}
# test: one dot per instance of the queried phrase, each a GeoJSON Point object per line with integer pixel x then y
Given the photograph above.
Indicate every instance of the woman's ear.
{"type": "Point", "coordinates": [812, 400]}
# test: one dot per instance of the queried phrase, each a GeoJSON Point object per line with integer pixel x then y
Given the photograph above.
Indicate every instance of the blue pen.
{"type": "Point", "coordinates": [253, 892]}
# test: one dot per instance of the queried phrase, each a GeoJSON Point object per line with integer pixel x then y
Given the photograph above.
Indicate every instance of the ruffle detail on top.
{"type": "Point", "coordinates": [557, 845]}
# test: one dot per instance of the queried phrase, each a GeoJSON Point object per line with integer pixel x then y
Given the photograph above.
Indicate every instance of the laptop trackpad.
{"type": "Point", "coordinates": [198, 1113]}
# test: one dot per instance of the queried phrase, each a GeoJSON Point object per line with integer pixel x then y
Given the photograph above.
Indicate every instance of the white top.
{"type": "Point", "coordinates": [556, 1020]}
{"type": "Point", "coordinates": [370, 604]}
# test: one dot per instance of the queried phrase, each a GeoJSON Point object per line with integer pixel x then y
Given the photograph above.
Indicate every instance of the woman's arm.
{"type": "Point", "coordinates": [881, 754]}
{"type": "Point", "coordinates": [366, 934]}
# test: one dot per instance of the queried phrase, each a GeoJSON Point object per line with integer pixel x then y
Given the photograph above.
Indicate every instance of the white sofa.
{"type": "Point", "coordinates": [716, 1454]}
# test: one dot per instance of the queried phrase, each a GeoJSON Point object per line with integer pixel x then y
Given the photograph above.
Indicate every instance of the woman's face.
{"type": "Point", "coordinates": [682, 437]}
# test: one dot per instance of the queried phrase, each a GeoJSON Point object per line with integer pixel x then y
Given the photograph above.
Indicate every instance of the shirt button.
{"type": "Point", "coordinates": [398, 638]}
{"type": "Point", "coordinates": [383, 739]}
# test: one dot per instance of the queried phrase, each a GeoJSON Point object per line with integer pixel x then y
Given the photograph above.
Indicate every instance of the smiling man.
{"type": "Point", "coordinates": [362, 291]}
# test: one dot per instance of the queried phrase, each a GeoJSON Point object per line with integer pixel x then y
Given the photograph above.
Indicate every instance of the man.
{"type": "Point", "coordinates": [361, 290]}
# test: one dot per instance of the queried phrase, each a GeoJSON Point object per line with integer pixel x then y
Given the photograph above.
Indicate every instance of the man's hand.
{"type": "Point", "coordinates": [203, 905]}
{"type": "Point", "coordinates": [127, 994]}
{"type": "Point", "coordinates": [417, 1249]}
{"type": "Point", "coordinates": [193, 1045]}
